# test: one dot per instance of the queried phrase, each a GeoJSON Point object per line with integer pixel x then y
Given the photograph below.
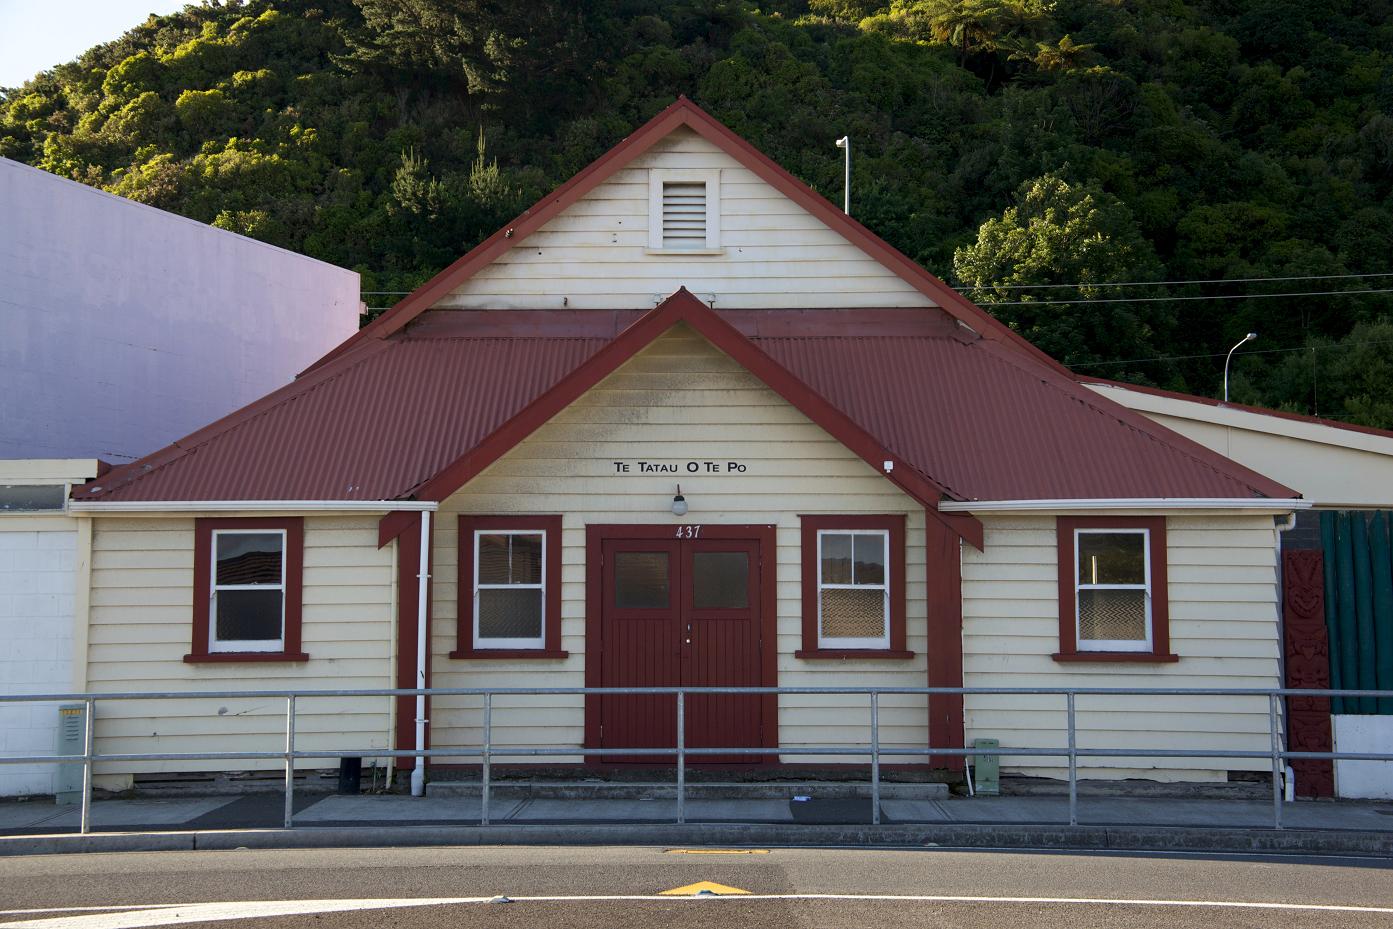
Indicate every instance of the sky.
{"type": "Point", "coordinates": [37, 34]}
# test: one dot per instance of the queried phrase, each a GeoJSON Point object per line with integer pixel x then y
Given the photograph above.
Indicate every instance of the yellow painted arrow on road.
{"type": "Point", "coordinates": [700, 887]}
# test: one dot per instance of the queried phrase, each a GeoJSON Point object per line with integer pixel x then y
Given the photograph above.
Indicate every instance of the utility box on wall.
{"type": "Point", "coordinates": [986, 769]}
{"type": "Point", "coordinates": [72, 740]}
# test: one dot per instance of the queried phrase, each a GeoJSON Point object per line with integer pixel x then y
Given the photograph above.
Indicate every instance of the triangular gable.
{"type": "Point", "coordinates": [684, 307]}
{"type": "Point", "coordinates": [685, 113]}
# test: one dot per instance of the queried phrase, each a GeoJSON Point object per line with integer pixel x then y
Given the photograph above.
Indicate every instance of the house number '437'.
{"type": "Point", "coordinates": [688, 532]}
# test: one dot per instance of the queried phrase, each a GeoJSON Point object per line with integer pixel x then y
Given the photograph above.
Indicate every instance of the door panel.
{"type": "Point", "coordinates": [641, 647]}
{"type": "Point", "coordinates": [723, 645]}
{"type": "Point", "coordinates": [681, 613]}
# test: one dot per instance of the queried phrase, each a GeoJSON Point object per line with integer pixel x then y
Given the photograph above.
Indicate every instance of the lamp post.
{"type": "Point", "coordinates": [1247, 338]}
{"type": "Point", "coordinates": [845, 143]}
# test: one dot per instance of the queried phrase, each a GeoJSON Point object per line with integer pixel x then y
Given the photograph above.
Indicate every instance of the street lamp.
{"type": "Point", "coordinates": [845, 143]}
{"type": "Point", "coordinates": [1247, 338]}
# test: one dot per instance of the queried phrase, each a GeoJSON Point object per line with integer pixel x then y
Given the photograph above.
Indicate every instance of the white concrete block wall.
{"type": "Point", "coordinates": [36, 648]}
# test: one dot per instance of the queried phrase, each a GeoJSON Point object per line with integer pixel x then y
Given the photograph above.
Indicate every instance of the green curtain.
{"type": "Point", "coordinates": [1359, 606]}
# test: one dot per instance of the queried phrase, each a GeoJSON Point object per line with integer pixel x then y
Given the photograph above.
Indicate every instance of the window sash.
{"type": "Point", "coordinates": [484, 643]}
{"type": "Point", "coordinates": [1115, 645]}
{"type": "Point", "coordinates": [216, 644]}
{"type": "Point", "coordinates": [881, 641]}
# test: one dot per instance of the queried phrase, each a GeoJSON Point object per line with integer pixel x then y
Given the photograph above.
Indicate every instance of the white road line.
{"type": "Point", "coordinates": [172, 915]}
{"type": "Point", "coordinates": [85, 909]}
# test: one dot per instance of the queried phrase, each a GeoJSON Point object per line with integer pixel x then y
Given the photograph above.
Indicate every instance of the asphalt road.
{"type": "Point", "coordinates": [296, 889]}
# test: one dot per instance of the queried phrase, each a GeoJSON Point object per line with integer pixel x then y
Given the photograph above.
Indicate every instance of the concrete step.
{"type": "Point", "coordinates": [620, 790]}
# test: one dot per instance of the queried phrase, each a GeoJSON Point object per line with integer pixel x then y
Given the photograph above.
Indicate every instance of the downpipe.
{"type": "Point", "coordinates": [1283, 526]}
{"type": "Point", "coordinates": [418, 770]}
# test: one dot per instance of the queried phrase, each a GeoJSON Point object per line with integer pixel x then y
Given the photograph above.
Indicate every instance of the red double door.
{"type": "Point", "coordinates": [682, 612]}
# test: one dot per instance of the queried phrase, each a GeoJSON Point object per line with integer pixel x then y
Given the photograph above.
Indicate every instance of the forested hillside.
{"type": "Point", "coordinates": [1000, 143]}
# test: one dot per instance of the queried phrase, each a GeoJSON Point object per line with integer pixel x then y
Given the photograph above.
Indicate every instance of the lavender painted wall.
{"type": "Point", "coordinates": [123, 327]}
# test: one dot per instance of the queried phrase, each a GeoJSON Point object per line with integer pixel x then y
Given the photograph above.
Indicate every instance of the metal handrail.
{"type": "Point", "coordinates": [873, 750]}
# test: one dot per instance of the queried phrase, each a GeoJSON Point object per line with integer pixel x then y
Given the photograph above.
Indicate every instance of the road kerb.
{"type": "Point", "coordinates": [1076, 838]}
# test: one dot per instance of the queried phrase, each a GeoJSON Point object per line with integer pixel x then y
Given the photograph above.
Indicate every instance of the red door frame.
{"type": "Point", "coordinates": [595, 536]}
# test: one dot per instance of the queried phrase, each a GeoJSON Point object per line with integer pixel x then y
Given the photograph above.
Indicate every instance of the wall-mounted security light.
{"type": "Point", "coordinates": [679, 503]}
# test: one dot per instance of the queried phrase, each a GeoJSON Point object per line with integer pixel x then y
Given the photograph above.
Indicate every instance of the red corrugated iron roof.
{"type": "Point", "coordinates": [409, 415]}
{"type": "Point", "coordinates": [986, 426]}
{"type": "Point", "coordinates": [372, 426]}
{"type": "Point", "coordinates": [1241, 407]}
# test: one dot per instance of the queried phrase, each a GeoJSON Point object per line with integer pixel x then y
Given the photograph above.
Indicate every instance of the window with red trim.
{"type": "Point", "coordinates": [1112, 589]}
{"type": "Point", "coordinates": [853, 587]}
{"type": "Point", "coordinates": [510, 587]}
{"type": "Point", "coordinates": [247, 589]}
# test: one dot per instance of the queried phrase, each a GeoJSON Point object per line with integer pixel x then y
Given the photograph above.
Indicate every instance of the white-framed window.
{"type": "Point", "coordinates": [248, 597]}
{"type": "Point", "coordinates": [684, 212]}
{"type": "Point", "coordinates": [853, 588]}
{"type": "Point", "coordinates": [1112, 590]}
{"type": "Point", "coordinates": [510, 593]}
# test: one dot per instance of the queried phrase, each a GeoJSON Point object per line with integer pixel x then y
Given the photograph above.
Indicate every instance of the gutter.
{"type": "Point", "coordinates": [252, 506]}
{"type": "Point", "coordinates": [1261, 504]}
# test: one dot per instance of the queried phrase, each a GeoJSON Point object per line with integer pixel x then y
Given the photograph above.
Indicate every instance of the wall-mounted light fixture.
{"type": "Point", "coordinates": [679, 503]}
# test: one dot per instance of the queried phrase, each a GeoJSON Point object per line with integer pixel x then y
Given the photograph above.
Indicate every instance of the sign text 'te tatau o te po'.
{"type": "Point", "coordinates": [678, 467]}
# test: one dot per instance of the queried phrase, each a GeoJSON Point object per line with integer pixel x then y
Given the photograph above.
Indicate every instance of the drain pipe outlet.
{"type": "Point", "coordinates": [418, 770]}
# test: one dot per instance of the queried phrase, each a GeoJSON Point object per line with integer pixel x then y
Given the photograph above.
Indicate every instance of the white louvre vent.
{"type": "Point", "coordinates": [684, 211]}
{"type": "Point", "coordinates": [684, 214]}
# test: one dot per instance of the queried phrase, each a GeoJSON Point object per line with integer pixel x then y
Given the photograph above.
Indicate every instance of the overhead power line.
{"type": "Point", "coordinates": [1217, 280]}
{"type": "Point", "coordinates": [1176, 283]}
{"type": "Point", "coordinates": [1345, 346]}
{"type": "Point", "coordinates": [1309, 293]}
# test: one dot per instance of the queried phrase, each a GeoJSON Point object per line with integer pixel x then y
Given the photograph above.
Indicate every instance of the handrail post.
{"type": "Point", "coordinates": [681, 757]}
{"type": "Point", "coordinates": [1273, 702]}
{"type": "Point", "coordinates": [1073, 762]}
{"type": "Point", "coordinates": [289, 761]}
{"type": "Point", "coordinates": [85, 824]}
{"type": "Point", "coordinates": [487, 773]}
{"type": "Point", "coordinates": [875, 758]}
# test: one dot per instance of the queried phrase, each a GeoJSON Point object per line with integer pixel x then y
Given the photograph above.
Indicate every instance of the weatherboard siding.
{"type": "Point", "coordinates": [678, 400]}
{"type": "Point", "coordinates": [140, 616]}
{"type": "Point", "coordinates": [594, 254]}
{"type": "Point", "coordinates": [1223, 625]}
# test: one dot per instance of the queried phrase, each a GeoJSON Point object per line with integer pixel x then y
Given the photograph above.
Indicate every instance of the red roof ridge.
{"type": "Point", "coordinates": [683, 306]}
{"type": "Point", "coordinates": [683, 112]}
{"type": "Point", "coordinates": [1241, 407]}
{"type": "Point", "coordinates": [1200, 454]}
{"type": "Point", "coordinates": [131, 472]}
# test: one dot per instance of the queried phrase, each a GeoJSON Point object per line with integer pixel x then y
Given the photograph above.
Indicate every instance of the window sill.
{"type": "Point", "coordinates": [510, 653]}
{"type": "Point", "coordinates": [1116, 657]}
{"type": "Point", "coordinates": [851, 654]}
{"type": "Point", "coordinates": [219, 657]}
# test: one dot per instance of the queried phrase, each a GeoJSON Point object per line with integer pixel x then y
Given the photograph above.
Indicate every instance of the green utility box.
{"type": "Point", "coordinates": [72, 738]}
{"type": "Point", "coordinates": [986, 769]}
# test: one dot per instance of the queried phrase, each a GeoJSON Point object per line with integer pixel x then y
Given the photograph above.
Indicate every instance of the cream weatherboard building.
{"type": "Point", "coordinates": [684, 423]}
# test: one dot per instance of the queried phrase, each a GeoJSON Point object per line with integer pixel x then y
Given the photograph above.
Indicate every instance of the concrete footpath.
{"type": "Point", "coordinates": [1231, 825]}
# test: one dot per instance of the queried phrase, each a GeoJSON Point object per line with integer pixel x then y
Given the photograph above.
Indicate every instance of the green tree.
{"type": "Point", "coordinates": [1070, 234]}
{"type": "Point", "coordinates": [1139, 140]}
